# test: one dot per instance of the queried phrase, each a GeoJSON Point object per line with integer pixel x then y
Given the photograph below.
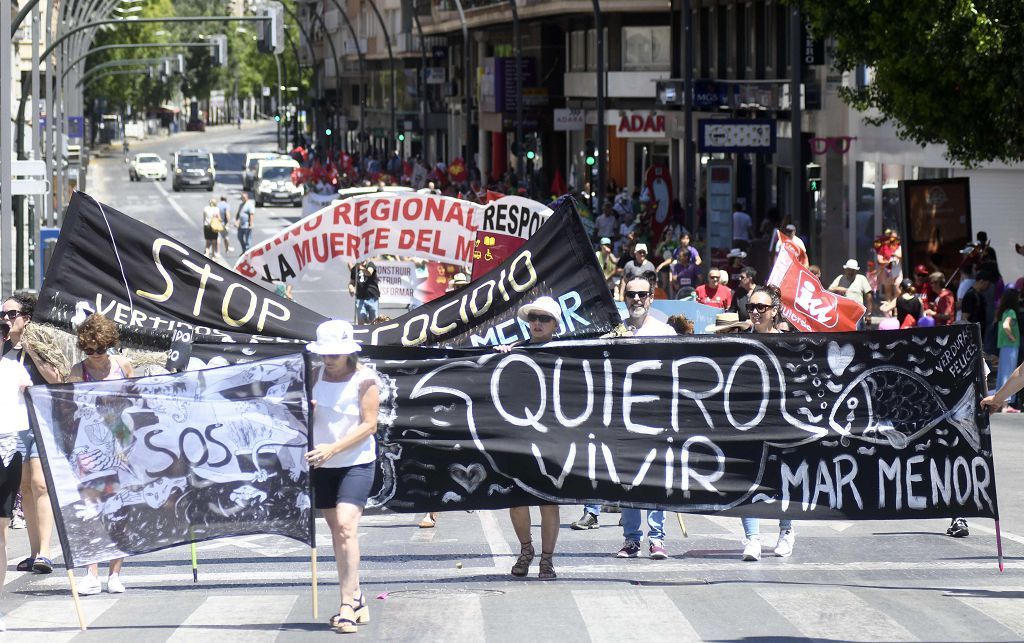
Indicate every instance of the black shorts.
{"type": "Point", "coordinates": [10, 481]}
{"type": "Point", "coordinates": [350, 485]}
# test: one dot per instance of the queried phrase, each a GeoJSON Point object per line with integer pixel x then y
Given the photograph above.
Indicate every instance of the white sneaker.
{"type": "Point", "coordinates": [785, 546]}
{"type": "Point", "coordinates": [89, 585]}
{"type": "Point", "coordinates": [3, 625]}
{"type": "Point", "coordinates": [752, 549]}
{"type": "Point", "coordinates": [114, 584]}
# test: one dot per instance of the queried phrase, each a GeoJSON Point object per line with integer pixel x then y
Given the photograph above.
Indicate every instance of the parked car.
{"type": "Point", "coordinates": [249, 169]}
{"type": "Point", "coordinates": [196, 125]}
{"type": "Point", "coordinates": [194, 168]}
{"type": "Point", "coordinates": [147, 166]}
{"type": "Point", "coordinates": [274, 182]}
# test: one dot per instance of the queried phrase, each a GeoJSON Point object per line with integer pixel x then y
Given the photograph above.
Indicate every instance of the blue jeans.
{"type": "Point", "coordinates": [631, 524]}
{"type": "Point", "coordinates": [366, 311]}
{"type": "Point", "coordinates": [751, 526]}
{"type": "Point", "coordinates": [1007, 364]}
{"type": "Point", "coordinates": [594, 509]}
{"type": "Point", "coordinates": [245, 238]}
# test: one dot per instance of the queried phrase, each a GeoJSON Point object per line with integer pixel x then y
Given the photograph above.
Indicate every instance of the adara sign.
{"type": "Point", "coordinates": [640, 124]}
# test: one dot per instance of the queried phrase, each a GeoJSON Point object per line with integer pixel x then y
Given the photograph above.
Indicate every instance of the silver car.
{"type": "Point", "coordinates": [147, 166]}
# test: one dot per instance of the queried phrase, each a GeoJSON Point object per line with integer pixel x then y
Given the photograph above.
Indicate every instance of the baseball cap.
{"type": "Point", "coordinates": [640, 247]}
{"type": "Point", "coordinates": [605, 241]}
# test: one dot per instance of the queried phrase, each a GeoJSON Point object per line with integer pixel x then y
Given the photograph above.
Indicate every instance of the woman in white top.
{"type": "Point", "coordinates": [346, 398]}
{"type": "Point", "coordinates": [13, 380]}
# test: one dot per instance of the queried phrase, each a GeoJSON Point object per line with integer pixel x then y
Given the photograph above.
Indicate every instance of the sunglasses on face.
{"type": "Point", "coordinates": [10, 314]}
{"type": "Point", "coordinates": [760, 308]}
{"type": "Point", "coordinates": [93, 350]}
{"type": "Point", "coordinates": [637, 294]}
{"type": "Point", "coordinates": [544, 319]}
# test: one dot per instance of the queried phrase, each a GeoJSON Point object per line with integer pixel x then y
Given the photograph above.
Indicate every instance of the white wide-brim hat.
{"type": "Point", "coordinates": [542, 305]}
{"type": "Point", "coordinates": [851, 265]}
{"type": "Point", "coordinates": [334, 337]}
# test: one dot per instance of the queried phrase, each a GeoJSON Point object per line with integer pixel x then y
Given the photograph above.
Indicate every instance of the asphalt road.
{"type": "Point", "coordinates": [847, 580]}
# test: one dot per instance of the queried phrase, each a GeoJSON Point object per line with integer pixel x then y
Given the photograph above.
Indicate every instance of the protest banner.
{"type": "Point", "coordinates": [805, 302]}
{"type": "Point", "coordinates": [314, 202]}
{"type": "Point", "coordinates": [155, 287]}
{"type": "Point", "coordinates": [557, 261]}
{"type": "Point", "coordinates": [880, 425]}
{"type": "Point", "coordinates": [507, 223]}
{"type": "Point", "coordinates": [135, 466]}
{"type": "Point", "coordinates": [426, 226]}
{"type": "Point", "coordinates": [398, 282]}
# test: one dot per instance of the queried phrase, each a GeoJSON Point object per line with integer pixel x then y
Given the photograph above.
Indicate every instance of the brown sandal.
{"type": "Point", "coordinates": [547, 567]}
{"type": "Point", "coordinates": [522, 566]}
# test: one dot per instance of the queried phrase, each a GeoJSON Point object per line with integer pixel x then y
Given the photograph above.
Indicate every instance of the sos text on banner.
{"type": "Point", "coordinates": [134, 466]}
{"type": "Point", "coordinates": [876, 425]}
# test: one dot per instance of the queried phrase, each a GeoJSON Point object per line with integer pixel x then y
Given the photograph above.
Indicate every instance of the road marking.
{"type": "Point", "coordinates": [501, 553]}
{"type": "Point", "coordinates": [989, 530]}
{"type": "Point", "coordinates": [50, 622]}
{"type": "Point", "coordinates": [1005, 611]}
{"type": "Point", "coordinates": [225, 617]}
{"type": "Point", "coordinates": [446, 617]}
{"type": "Point", "coordinates": [732, 526]}
{"type": "Point", "coordinates": [174, 204]}
{"type": "Point", "coordinates": [643, 615]}
{"type": "Point", "coordinates": [831, 613]}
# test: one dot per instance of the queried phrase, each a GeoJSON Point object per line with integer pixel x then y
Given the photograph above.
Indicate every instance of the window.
{"type": "Point", "coordinates": [743, 43]}
{"type": "Point", "coordinates": [722, 42]}
{"type": "Point", "coordinates": [766, 39]}
{"type": "Point", "coordinates": [578, 50]}
{"type": "Point", "coordinates": [646, 48]}
{"type": "Point", "coordinates": [703, 24]}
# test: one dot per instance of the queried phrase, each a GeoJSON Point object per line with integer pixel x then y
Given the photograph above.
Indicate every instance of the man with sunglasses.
{"type": "Point", "coordinates": [747, 282]}
{"type": "Point", "coordinates": [715, 293]}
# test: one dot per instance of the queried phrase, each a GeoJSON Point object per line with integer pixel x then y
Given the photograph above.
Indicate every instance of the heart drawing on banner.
{"type": "Point", "coordinates": [839, 357]}
{"type": "Point", "coordinates": [469, 478]}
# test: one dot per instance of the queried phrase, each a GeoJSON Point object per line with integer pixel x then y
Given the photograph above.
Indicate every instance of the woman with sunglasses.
{"type": "Point", "coordinates": [763, 308]}
{"type": "Point", "coordinates": [542, 315]}
{"type": "Point", "coordinates": [35, 501]}
{"type": "Point", "coordinates": [96, 336]}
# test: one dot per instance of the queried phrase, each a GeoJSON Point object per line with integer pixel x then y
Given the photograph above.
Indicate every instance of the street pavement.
{"type": "Point", "coordinates": [847, 580]}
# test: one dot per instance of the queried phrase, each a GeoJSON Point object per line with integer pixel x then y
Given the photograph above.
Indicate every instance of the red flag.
{"type": "Point", "coordinates": [797, 248]}
{"type": "Point", "coordinates": [494, 196]}
{"type": "Point", "coordinates": [805, 303]}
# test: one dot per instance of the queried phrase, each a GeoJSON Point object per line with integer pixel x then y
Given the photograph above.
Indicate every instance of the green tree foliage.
{"type": "Point", "coordinates": [246, 73]}
{"type": "Point", "coordinates": [944, 71]}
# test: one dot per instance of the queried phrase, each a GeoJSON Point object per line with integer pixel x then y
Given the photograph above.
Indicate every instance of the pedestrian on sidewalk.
{"type": "Point", "coordinates": [17, 314]}
{"type": "Point", "coordinates": [542, 315]}
{"type": "Point", "coordinates": [97, 335]}
{"type": "Point", "coordinates": [212, 225]}
{"type": "Point", "coordinates": [244, 221]}
{"type": "Point", "coordinates": [346, 398]}
{"type": "Point", "coordinates": [763, 309]}
{"type": "Point", "coordinates": [1008, 340]}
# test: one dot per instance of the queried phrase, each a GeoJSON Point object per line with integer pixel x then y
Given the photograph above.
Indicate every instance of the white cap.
{"type": "Point", "coordinates": [542, 305]}
{"type": "Point", "coordinates": [851, 264]}
{"type": "Point", "coordinates": [334, 337]}
{"type": "Point", "coordinates": [640, 247]}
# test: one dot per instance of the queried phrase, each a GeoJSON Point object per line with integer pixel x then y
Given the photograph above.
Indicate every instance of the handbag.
{"type": "Point", "coordinates": [216, 225]}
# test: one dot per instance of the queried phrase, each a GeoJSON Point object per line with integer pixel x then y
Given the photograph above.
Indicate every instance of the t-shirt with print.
{"type": "Point", "coordinates": [686, 276]}
{"type": "Point", "coordinates": [13, 378]}
{"type": "Point", "coordinates": [631, 270]}
{"type": "Point", "coordinates": [720, 297]}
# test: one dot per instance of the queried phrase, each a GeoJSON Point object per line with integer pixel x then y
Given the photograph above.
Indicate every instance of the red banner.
{"type": "Point", "coordinates": [805, 303]}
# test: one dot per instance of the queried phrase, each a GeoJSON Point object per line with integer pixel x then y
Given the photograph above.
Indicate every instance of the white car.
{"type": "Point", "coordinates": [147, 166]}
{"type": "Point", "coordinates": [273, 182]}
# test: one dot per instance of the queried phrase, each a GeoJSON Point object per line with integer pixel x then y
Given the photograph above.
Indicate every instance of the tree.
{"type": "Point", "coordinates": [944, 71]}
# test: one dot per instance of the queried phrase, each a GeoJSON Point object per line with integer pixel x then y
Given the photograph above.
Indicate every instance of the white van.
{"type": "Point", "coordinates": [273, 182]}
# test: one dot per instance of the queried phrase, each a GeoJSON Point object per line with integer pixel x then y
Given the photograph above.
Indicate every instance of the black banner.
{"type": "Point", "coordinates": [881, 425]}
{"type": "Point", "coordinates": [163, 294]}
{"type": "Point", "coordinates": [153, 286]}
{"type": "Point", "coordinates": [134, 466]}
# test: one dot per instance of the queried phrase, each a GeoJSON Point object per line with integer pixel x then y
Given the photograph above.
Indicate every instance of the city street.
{"type": "Point", "coordinates": [180, 214]}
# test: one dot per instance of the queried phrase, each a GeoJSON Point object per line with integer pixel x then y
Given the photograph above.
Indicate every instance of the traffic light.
{"type": "Point", "coordinates": [277, 117]}
{"type": "Point", "coordinates": [401, 138]}
{"type": "Point", "coordinates": [813, 177]}
{"type": "Point", "coordinates": [328, 131]}
{"type": "Point", "coordinates": [271, 32]}
{"type": "Point", "coordinates": [814, 185]}
{"type": "Point", "coordinates": [220, 50]}
{"type": "Point", "coordinates": [590, 154]}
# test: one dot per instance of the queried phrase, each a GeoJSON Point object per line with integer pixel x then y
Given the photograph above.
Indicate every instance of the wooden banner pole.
{"type": "Point", "coordinates": [78, 603]}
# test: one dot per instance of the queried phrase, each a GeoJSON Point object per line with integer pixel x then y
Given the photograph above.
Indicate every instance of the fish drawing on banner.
{"type": "Point", "coordinates": [892, 405]}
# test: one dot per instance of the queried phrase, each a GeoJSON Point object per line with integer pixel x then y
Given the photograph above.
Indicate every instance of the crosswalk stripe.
{"type": "Point", "coordinates": [501, 553]}
{"type": "Point", "coordinates": [834, 614]}
{"type": "Point", "coordinates": [434, 617]}
{"type": "Point", "coordinates": [236, 618]}
{"type": "Point", "coordinates": [1005, 611]}
{"type": "Point", "coordinates": [633, 614]}
{"type": "Point", "coordinates": [53, 621]}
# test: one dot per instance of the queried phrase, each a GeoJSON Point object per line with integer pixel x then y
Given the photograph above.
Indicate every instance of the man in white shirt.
{"type": "Point", "coordinates": [742, 227]}
{"type": "Point", "coordinates": [853, 285]}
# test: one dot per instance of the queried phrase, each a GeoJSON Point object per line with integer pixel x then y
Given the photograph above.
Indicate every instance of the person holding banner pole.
{"type": "Point", "coordinates": [763, 308]}
{"type": "Point", "coordinates": [346, 400]}
{"type": "Point", "coordinates": [542, 315]}
{"type": "Point", "coordinates": [17, 315]}
{"type": "Point", "coordinates": [97, 335]}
